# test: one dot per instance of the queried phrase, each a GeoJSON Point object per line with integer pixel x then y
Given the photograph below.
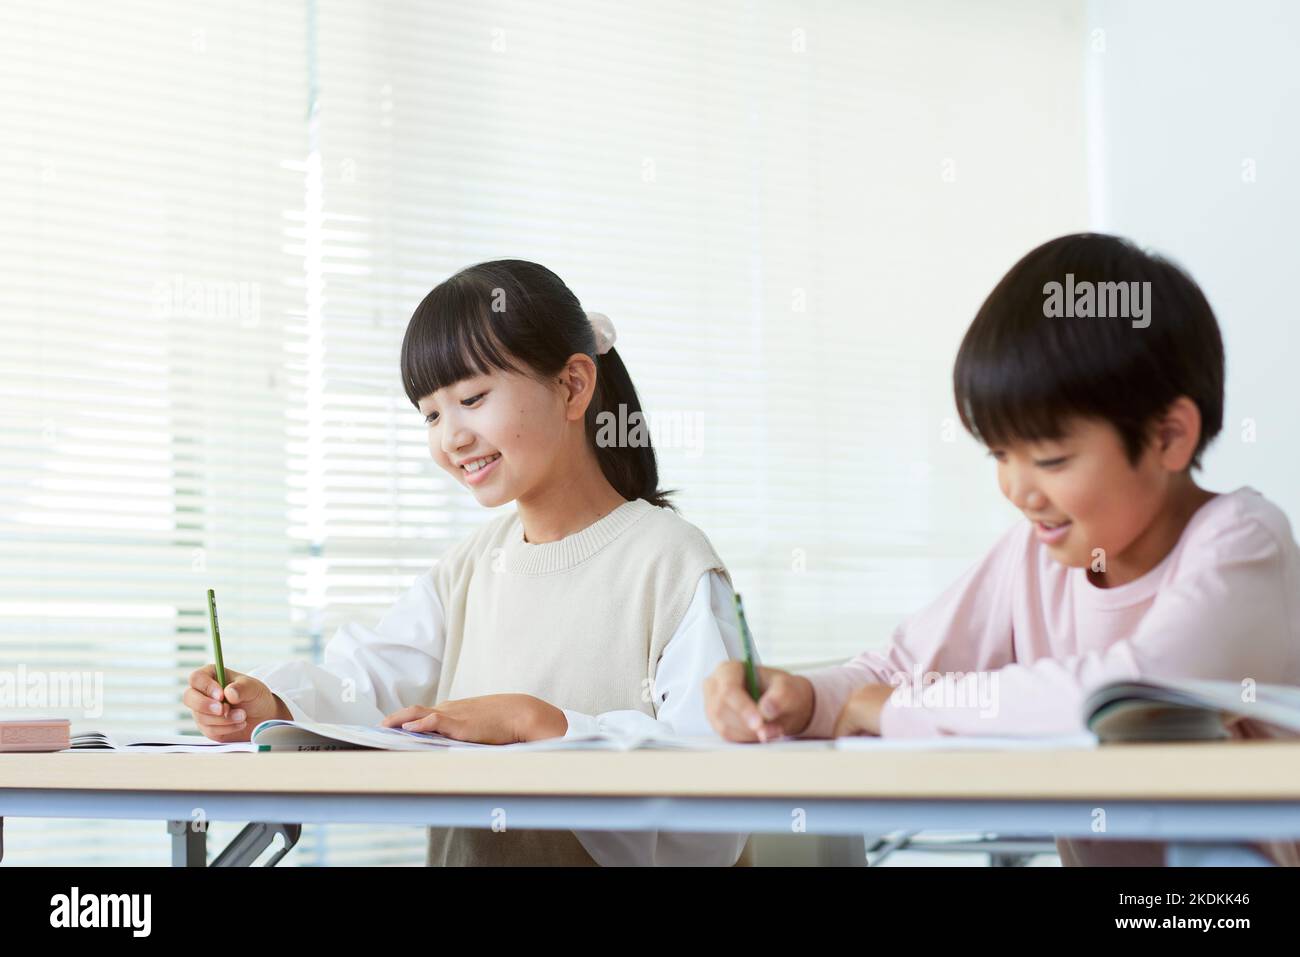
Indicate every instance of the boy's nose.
{"type": "Point", "coordinates": [1022, 493]}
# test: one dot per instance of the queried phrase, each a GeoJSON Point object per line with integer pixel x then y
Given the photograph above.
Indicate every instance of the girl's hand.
{"type": "Point", "coordinates": [488, 719]}
{"type": "Point", "coordinates": [230, 713]}
{"type": "Point", "coordinates": [861, 713]}
{"type": "Point", "coordinates": [785, 705]}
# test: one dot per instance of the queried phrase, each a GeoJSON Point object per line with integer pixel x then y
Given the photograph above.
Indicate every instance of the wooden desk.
{"type": "Point", "coordinates": [1221, 793]}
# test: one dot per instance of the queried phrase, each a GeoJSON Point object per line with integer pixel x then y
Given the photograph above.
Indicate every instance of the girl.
{"type": "Point", "coordinates": [1124, 568]}
{"type": "Point", "coordinates": [591, 606]}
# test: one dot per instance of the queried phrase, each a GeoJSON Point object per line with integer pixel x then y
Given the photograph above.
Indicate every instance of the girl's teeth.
{"type": "Point", "coordinates": [479, 463]}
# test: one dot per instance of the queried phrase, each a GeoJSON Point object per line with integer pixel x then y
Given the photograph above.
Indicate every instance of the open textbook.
{"type": "Point", "coordinates": [90, 742]}
{"type": "Point", "coordinates": [1127, 711]}
{"type": "Point", "coordinates": [282, 735]}
{"type": "Point", "coordinates": [1186, 710]}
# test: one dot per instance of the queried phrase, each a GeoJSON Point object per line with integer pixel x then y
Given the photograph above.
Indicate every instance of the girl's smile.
{"type": "Point", "coordinates": [477, 470]}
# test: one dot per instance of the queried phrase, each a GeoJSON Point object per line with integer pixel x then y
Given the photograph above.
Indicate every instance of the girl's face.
{"type": "Point", "coordinates": [1081, 492]}
{"type": "Point", "coordinates": [498, 434]}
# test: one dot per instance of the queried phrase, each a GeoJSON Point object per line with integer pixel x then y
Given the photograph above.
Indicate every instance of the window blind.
{"type": "Point", "coordinates": [790, 212]}
{"type": "Point", "coordinates": [216, 222]}
{"type": "Point", "coordinates": [146, 303]}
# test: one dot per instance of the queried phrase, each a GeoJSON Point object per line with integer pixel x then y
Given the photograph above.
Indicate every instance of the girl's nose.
{"type": "Point", "coordinates": [456, 438]}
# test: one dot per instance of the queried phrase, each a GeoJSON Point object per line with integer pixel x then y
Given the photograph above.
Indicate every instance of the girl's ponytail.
{"type": "Point", "coordinates": [620, 434]}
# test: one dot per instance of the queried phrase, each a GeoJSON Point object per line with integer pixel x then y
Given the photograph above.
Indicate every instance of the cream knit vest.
{"type": "Point", "coordinates": [579, 623]}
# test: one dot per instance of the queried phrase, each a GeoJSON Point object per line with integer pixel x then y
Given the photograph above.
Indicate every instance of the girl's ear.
{"type": "Point", "coordinates": [578, 379]}
{"type": "Point", "coordinates": [1177, 434]}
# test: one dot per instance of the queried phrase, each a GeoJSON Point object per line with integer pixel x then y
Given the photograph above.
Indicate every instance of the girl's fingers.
{"type": "Point", "coordinates": [202, 706]}
{"type": "Point", "coordinates": [218, 724]}
{"type": "Point", "coordinates": [439, 722]}
{"type": "Point", "coordinates": [405, 714]}
{"type": "Point", "coordinates": [200, 703]}
{"type": "Point", "coordinates": [204, 681]}
{"type": "Point", "coordinates": [240, 690]}
{"type": "Point", "coordinates": [428, 722]}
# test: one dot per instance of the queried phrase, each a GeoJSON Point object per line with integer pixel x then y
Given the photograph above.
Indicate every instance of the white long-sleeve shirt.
{"type": "Point", "coordinates": [368, 673]}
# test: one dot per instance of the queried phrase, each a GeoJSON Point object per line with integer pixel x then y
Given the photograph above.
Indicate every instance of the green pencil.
{"type": "Point", "coordinates": [216, 637]}
{"type": "Point", "coordinates": [751, 676]}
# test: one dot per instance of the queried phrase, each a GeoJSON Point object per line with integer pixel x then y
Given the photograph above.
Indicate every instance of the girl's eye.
{"type": "Point", "coordinates": [1051, 463]}
{"type": "Point", "coordinates": [997, 454]}
{"type": "Point", "coordinates": [471, 400]}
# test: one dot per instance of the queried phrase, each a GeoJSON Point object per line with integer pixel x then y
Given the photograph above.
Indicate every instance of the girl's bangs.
{"type": "Point", "coordinates": [450, 339]}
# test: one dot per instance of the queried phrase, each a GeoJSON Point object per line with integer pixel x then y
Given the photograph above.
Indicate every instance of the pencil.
{"type": "Point", "coordinates": [751, 676]}
{"type": "Point", "coordinates": [216, 638]}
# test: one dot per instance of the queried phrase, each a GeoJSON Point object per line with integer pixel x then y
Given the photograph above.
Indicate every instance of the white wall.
{"type": "Point", "coordinates": [1194, 151]}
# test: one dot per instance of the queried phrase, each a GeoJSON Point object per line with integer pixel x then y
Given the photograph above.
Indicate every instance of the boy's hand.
{"type": "Point", "coordinates": [230, 713]}
{"type": "Point", "coordinates": [861, 713]}
{"type": "Point", "coordinates": [488, 719]}
{"type": "Point", "coordinates": [785, 705]}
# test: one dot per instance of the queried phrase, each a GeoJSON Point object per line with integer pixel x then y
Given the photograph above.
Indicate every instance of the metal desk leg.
{"type": "Point", "coordinates": [189, 846]}
{"type": "Point", "coordinates": [253, 840]}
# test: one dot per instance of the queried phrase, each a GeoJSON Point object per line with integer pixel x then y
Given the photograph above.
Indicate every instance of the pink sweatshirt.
{"type": "Point", "coordinates": [1019, 640]}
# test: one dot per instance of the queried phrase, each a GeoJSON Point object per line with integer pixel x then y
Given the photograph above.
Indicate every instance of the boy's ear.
{"type": "Point", "coordinates": [1177, 433]}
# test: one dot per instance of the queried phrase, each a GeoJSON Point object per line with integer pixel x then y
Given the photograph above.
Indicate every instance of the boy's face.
{"type": "Point", "coordinates": [1081, 491]}
{"type": "Point", "coordinates": [508, 425]}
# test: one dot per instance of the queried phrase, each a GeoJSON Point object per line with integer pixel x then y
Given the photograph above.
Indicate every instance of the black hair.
{"type": "Point", "coordinates": [1026, 364]}
{"type": "Point", "coordinates": [518, 316]}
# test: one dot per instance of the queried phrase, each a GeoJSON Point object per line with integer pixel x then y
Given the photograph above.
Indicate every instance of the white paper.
{"type": "Point", "coordinates": [952, 742]}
